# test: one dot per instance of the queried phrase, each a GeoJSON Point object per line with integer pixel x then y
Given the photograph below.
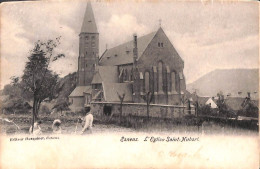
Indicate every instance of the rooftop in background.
{"type": "Point", "coordinates": [80, 90]}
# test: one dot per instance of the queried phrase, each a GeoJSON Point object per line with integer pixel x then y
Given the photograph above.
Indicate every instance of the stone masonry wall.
{"type": "Point", "coordinates": [156, 111]}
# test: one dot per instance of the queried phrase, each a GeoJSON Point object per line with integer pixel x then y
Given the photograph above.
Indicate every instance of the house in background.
{"type": "Point", "coordinates": [210, 101]}
{"type": "Point", "coordinates": [79, 97]}
{"type": "Point", "coordinates": [242, 104]}
{"type": "Point", "coordinates": [234, 104]}
{"type": "Point", "coordinates": [204, 100]}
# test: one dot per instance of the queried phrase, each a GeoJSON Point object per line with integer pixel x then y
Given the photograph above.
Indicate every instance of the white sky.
{"type": "Point", "coordinates": [207, 36]}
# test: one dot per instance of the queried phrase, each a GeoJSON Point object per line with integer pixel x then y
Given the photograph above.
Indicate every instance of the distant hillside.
{"type": "Point", "coordinates": [228, 81]}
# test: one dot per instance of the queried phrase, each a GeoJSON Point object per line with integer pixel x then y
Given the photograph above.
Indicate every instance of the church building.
{"type": "Point", "coordinates": [145, 64]}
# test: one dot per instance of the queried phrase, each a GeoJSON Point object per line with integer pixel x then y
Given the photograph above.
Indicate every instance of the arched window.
{"type": "Point", "coordinates": [173, 81]}
{"type": "Point", "coordinates": [126, 75]}
{"type": "Point", "coordinates": [131, 75]}
{"type": "Point", "coordinates": [147, 82]}
{"type": "Point", "coordinates": [160, 77]}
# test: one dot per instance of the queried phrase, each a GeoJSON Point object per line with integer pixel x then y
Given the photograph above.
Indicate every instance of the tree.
{"type": "Point", "coordinates": [61, 105]}
{"type": "Point", "coordinates": [148, 98]}
{"type": "Point", "coordinates": [249, 109]}
{"type": "Point", "coordinates": [121, 98]}
{"type": "Point", "coordinates": [222, 107]}
{"type": "Point", "coordinates": [15, 101]}
{"type": "Point", "coordinates": [205, 110]}
{"type": "Point", "coordinates": [38, 80]}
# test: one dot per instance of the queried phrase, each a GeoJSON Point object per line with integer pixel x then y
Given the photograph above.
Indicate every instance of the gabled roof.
{"type": "Point", "coordinates": [89, 23]}
{"type": "Point", "coordinates": [234, 103]}
{"type": "Point", "coordinates": [111, 90]}
{"type": "Point", "coordinates": [123, 54]}
{"type": "Point", "coordinates": [96, 78]}
{"type": "Point", "coordinates": [105, 74]}
{"type": "Point", "coordinates": [80, 90]}
{"type": "Point", "coordinates": [203, 100]}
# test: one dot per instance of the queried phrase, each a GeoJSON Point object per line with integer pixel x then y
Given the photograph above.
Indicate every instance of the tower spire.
{"type": "Point", "coordinates": [89, 23]}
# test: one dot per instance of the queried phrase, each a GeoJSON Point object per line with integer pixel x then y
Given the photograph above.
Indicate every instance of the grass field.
{"type": "Point", "coordinates": [104, 126]}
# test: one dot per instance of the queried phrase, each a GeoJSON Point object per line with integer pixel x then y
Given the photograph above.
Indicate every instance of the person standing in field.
{"type": "Point", "coordinates": [87, 122]}
{"type": "Point", "coordinates": [36, 128]}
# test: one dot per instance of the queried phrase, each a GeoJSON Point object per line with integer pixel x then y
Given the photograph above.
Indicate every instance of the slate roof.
{"type": "Point", "coordinates": [80, 90]}
{"type": "Point", "coordinates": [203, 100]}
{"type": "Point", "coordinates": [105, 74]}
{"type": "Point", "coordinates": [118, 55]}
{"type": "Point", "coordinates": [96, 78]}
{"type": "Point", "coordinates": [234, 103]}
{"type": "Point", "coordinates": [89, 23]}
{"type": "Point", "coordinates": [111, 90]}
{"type": "Point", "coordinates": [256, 103]}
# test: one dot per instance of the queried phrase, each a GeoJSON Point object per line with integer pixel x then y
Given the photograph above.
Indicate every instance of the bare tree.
{"type": "Point", "coordinates": [121, 98]}
{"type": "Point", "coordinates": [148, 98]}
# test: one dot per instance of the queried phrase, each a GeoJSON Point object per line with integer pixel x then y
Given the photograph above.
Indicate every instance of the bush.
{"type": "Point", "coordinates": [45, 110]}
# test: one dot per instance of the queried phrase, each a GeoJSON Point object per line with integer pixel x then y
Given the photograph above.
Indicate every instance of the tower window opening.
{"type": "Point", "coordinates": [93, 37]}
{"type": "Point", "coordinates": [86, 37]}
{"type": "Point", "coordinates": [160, 44]}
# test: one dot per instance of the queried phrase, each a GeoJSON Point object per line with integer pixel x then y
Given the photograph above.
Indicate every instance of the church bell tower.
{"type": "Point", "coordinates": [88, 48]}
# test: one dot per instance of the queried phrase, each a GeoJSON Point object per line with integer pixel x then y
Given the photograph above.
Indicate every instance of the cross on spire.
{"type": "Point", "coordinates": [160, 22]}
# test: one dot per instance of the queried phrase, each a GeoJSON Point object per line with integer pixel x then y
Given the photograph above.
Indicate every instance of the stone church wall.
{"type": "Point", "coordinates": [130, 109]}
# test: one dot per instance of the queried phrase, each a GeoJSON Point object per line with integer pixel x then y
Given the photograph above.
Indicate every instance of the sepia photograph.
{"type": "Point", "coordinates": [129, 84]}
